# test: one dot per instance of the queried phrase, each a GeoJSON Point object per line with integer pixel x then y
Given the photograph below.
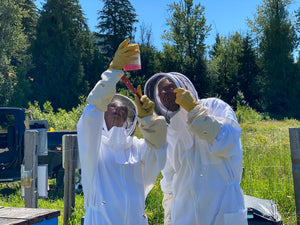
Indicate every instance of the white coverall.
{"type": "Point", "coordinates": [201, 179]}
{"type": "Point", "coordinates": [118, 170]}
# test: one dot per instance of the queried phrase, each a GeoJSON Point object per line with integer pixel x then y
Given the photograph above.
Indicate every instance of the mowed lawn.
{"type": "Point", "coordinates": [267, 174]}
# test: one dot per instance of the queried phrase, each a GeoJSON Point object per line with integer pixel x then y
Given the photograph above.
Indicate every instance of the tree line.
{"type": "Point", "coordinates": [50, 54]}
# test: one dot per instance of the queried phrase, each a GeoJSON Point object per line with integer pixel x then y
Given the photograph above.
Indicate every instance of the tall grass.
{"type": "Point", "coordinates": [267, 171]}
{"type": "Point", "coordinates": [267, 164]}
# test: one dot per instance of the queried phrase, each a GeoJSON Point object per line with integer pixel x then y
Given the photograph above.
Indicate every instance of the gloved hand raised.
{"type": "Point", "coordinates": [144, 105]}
{"type": "Point", "coordinates": [185, 99]}
{"type": "Point", "coordinates": [123, 55]}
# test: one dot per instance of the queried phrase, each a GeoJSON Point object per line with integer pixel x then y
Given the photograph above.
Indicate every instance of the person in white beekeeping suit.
{"type": "Point", "coordinates": [202, 175]}
{"type": "Point", "coordinates": [119, 170]}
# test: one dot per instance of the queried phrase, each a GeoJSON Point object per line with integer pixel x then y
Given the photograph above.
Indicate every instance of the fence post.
{"type": "Point", "coordinates": [70, 151]}
{"type": "Point", "coordinates": [295, 155]}
{"type": "Point", "coordinates": [31, 164]}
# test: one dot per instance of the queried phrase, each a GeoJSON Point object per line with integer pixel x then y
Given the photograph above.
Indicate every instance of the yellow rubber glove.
{"type": "Point", "coordinates": [185, 99]}
{"type": "Point", "coordinates": [123, 55]}
{"type": "Point", "coordinates": [144, 105]}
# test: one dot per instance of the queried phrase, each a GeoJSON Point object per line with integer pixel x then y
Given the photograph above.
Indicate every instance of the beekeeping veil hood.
{"type": "Point", "coordinates": [131, 120]}
{"type": "Point", "coordinates": [151, 90]}
{"type": "Point", "coordinates": [118, 138]}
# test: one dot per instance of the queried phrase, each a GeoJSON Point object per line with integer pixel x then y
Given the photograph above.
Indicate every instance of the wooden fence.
{"type": "Point", "coordinates": [295, 155]}
{"type": "Point", "coordinates": [70, 156]}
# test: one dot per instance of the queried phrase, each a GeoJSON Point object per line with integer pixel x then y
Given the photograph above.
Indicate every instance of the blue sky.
{"type": "Point", "coordinates": [225, 16]}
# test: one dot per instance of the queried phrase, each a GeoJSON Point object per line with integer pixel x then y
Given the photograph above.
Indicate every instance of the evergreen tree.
{"type": "Point", "coordinates": [61, 52]}
{"type": "Point", "coordinates": [186, 37]}
{"type": "Point", "coordinates": [224, 68]}
{"type": "Point", "coordinates": [14, 57]}
{"type": "Point", "coordinates": [23, 88]}
{"type": "Point", "coordinates": [94, 64]}
{"type": "Point", "coordinates": [116, 22]}
{"type": "Point", "coordinates": [29, 20]}
{"type": "Point", "coordinates": [213, 52]}
{"type": "Point", "coordinates": [277, 41]}
{"type": "Point", "coordinates": [297, 28]}
{"type": "Point", "coordinates": [171, 60]}
{"type": "Point", "coordinates": [248, 75]}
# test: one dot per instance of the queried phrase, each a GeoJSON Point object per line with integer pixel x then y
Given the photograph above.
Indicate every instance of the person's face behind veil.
{"type": "Point", "coordinates": [166, 94]}
{"type": "Point", "coordinates": [116, 114]}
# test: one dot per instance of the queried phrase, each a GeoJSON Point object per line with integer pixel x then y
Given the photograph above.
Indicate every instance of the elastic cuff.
{"type": "Point", "coordinates": [199, 111]}
{"type": "Point", "coordinates": [147, 121]}
{"type": "Point", "coordinates": [115, 75]}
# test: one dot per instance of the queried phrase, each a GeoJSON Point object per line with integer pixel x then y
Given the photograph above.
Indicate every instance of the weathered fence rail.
{"type": "Point", "coordinates": [295, 156]}
{"type": "Point", "coordinates": [31, 165]}
{"type": "Point", "coordinates": [70, 157]}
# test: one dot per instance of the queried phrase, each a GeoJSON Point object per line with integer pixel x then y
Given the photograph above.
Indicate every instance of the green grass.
{"type": "Point", "coordinates": [267, 164]}
{"type": "Point", "coordinates": [267, 174]}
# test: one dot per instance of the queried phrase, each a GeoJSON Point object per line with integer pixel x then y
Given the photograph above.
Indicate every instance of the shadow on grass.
{"type": "Point", "coordinates": [11, 188]}
{"type": "Point", "coordinates": [55, 192]}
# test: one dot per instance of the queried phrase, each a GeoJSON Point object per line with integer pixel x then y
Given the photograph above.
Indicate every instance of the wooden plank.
{"type": "Point", "coordinates": [31, 164]}
{"type": "Point", "coordinates": [10, 221]}
{"type": "Point", "coordinates": [295, 156]}
{"type": "Point", "coordinates": [31, 215]}
{"type": "Point", "coordinates": [70, 148]}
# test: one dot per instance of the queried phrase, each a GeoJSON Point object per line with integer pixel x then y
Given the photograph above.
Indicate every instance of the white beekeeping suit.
{"type": "Point", "coordinates": [202, 175]}
{"type": "Point", "coordinates": [118, 170]}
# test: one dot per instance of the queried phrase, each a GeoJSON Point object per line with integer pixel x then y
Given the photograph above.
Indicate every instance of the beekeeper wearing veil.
{"type": "Point", "coordinates": [202, 175]}
{"type": "Point", "coordinates": [119, 170]}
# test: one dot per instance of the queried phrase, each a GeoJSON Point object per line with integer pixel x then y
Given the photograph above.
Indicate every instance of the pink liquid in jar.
{"type": "Point", "coordinates": [135, 65]}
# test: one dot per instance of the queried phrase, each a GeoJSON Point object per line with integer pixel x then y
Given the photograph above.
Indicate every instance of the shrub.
{"type": "Point", "coordinates": [60, 120]}
{"type": "Point", "coordinates": [245, 114]}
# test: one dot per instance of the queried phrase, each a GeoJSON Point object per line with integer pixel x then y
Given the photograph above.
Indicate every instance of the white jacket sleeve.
{"type": "Point", "coordinates": [154, 153]}
{"type": "Point", "coordinates": [105, 89]}
{"type": "Point", "coordinates": [89, 131]}
{"type": "Point", "coordinates": [154, 130]}
{"type": "Point", "coordinates": [89, 126]}
{"type": "Point", "coordinates": [225, 142]}
{"type": "Point", "coordinates": [203, 124]}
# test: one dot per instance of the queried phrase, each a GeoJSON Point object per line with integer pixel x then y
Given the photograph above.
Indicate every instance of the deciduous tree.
{"type": "Point", "coordinates": [277, 40]}
{"type": "Point", "coordinates": [186, 35]}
